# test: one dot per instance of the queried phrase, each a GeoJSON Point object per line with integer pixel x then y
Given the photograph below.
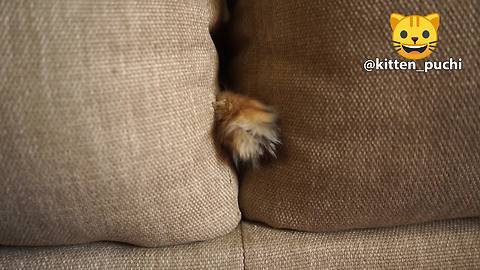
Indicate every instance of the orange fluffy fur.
{"type": "Point", "coordinates": [246, 127]}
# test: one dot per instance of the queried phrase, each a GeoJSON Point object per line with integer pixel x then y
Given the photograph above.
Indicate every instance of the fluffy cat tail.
{"type": "Point", "coordinates": [246, 127]}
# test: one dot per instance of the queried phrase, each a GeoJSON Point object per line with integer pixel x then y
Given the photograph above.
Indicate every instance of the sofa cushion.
{"type": "Point", "coordinates": [360, 149]}
{"type": "Point", "coordinates": [449, 244]}
{"type": "Point", "coordinates": [106, 115]}
{"type": "Point", "coordinates": [225, 252]}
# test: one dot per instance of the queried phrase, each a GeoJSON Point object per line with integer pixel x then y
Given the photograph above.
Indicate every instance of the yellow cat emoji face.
{"type": "Point", "coordinates": [414, 37]}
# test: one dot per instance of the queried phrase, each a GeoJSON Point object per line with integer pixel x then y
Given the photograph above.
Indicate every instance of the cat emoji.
{"type": "Point", "coordinates": [415, 37]}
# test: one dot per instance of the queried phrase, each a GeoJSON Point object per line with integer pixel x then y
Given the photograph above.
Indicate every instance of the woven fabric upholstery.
{"type": "Point", "coordinates": [222, 253]}
{"type": "Point", "coordinates": [106, 115]}
{"type": "Point", "coordinates": [450, 244]}
{"type": "Point", "coordinates": [440, 245]}
{"type": "Point", "coordinates": [359, 149]}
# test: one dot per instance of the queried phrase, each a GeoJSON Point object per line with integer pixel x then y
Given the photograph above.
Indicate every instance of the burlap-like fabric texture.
{"type": "Point", "coordinates": [440, 245]}
{"type": "Point", "coordinates": [452, 244]}
{"type": "Point", "coordinates": [105, 120]}
{"type": "Point", "coordinates": [221, 253]}
{"type": "Point", "coordinates": [359, 149]}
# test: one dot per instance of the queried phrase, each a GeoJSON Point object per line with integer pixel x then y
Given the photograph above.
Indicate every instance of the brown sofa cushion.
{"type": "Point", "coordinates": [449, 244]}
{"type": "Point", "coordinates": [225, 252]}
{"type": "Point", "coordinates": [360, 149]}
{"type": "Point", "coordinates": [105, 111]}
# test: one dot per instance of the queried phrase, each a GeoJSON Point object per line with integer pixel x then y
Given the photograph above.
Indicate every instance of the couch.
{"type": "Point", "coordinates": [108, 158]}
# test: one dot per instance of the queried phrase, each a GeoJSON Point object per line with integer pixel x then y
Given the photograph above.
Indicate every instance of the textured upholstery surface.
{"type": "Point", "coordinates": [440, 245]}
{"type": "Point", "coordinates": [452, 244]}
{"type": "Point", "coordinates": [105, 121]}
{"type": "Point", "coordinates": [222, 253]}
{"type": "Point", "coordinates": [360, 149]}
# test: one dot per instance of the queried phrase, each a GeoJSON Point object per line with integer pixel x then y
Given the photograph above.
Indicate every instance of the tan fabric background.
{"type": "Point", "coordinates": [360, 149]}
{"type": "Point", "coordinates": [105, 111]}
{"type": "Point", "coordinates": [222, 253]}
{"type": "Point", "coordinates": [440, 245]}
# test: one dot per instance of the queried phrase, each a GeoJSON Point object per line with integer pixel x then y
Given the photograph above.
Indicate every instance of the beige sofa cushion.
{"type": "Point", "coordinates": [225, 252]}
{"type": "Point", "coordinates": [360, 149]}
{"type": "Point", "coordinates": [105, 111]}
{"type": "Point", "coordinates": [440, 245]}
{"type": "Point", "coordinates": [449, 244]}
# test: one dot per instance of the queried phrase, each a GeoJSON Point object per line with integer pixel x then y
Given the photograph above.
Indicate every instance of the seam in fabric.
{"type": "Point", "coordinates": [243, 246]}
